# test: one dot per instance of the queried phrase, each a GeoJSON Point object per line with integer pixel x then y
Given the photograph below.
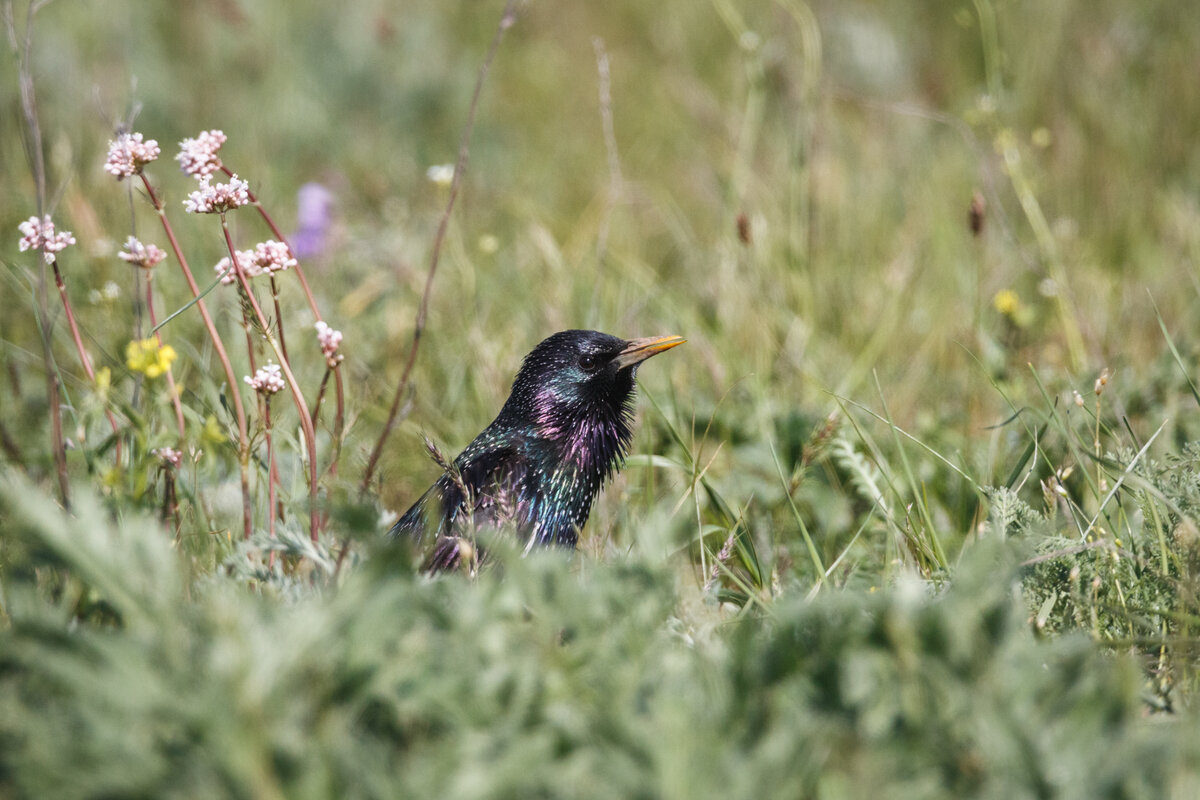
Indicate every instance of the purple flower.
{"type": "Point", "coordinates": [314, 215]}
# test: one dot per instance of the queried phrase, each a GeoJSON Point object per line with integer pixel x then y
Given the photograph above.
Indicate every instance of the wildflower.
{"type": "Point", "coordinates": [314, 205]}
{"type": "Point", "coordinates": [141, 255]}
{"type": "Point", "coordinates": [128, 153]}
{"type": "Point", "coordinates": [267, 380]}
{"type": "Point", "coordinates": [40, 235]}
{"type": "Point", "coordinates": [148, 357]}
{"type": "Point", "coordinates": [245, 260]}
{"type": "Point", "coordinates": [271, 257]}
{"type": "Point", "coordinates": [209, 199]}
{"type": "Point", "coordinates": [103, 380]}
{"type": "Point", "coordinates": [1007, 302]}
{"type": "Point", "coordinates": [170, 457]}
{"type": "Point", "coordinates": [440, 174]}
{"type": "Point", "coordinates": [330, 340]}
{"type": "Point", "coordinates": [211, 432]}
{"type": "Point", "coordinates": [198, 157]}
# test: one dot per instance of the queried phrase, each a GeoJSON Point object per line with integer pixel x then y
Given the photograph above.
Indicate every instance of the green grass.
{"type": "Point", "coordinates": [880, 533]}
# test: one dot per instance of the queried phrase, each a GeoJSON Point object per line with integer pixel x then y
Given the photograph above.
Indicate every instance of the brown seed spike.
{"type": "Point", "coordinates": [975, 214]}
{"type": "Point", "coordinates": [743, 229]}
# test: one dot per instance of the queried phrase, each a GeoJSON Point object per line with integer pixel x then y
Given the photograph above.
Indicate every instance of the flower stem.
{"type": "Point", "coordinates": [270, 473]}
{"type": "Point", "coordinates": [310, 439]}
{"type": "Point", "coordinates": [219, 348]}
{"type": "Point", "coordinates": [83, 356]}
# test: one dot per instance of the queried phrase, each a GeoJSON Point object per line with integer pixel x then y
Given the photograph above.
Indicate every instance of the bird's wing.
{"type": "Point", "coordinates": [502, 488]}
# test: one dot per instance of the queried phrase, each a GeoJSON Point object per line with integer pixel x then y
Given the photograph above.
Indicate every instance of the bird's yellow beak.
{"type": "Point", "coordinates": [638, 350]}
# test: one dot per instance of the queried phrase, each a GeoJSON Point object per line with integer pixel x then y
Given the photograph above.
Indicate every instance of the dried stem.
{"type": "Point", "coordinates": [616, 179]}
{"type": "Point", "coordinates": [22, 48]}
{"type": "Point", "coordinates": [219, 348]}
{"type": "Point", "coordinates": [506, 21]}
{"type": "Point", "coordinates": [310, 439]}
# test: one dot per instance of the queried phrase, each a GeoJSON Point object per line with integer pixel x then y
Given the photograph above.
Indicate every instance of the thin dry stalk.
{"type": "Point", "coordinates": [22, 48]}
{"type": "Point", "coordinates": [506, 21]}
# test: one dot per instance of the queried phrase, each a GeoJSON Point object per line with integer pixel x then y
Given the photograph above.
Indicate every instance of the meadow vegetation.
{"type": "Point", "coordinates": [914, 513]}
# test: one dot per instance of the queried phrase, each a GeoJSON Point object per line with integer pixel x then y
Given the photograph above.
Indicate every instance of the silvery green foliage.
{"type": "Point", "coordinates": [120, 677]}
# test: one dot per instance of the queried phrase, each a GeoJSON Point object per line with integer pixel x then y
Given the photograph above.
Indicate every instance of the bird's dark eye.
{"type": "Point", "coordinates": [587, 362]}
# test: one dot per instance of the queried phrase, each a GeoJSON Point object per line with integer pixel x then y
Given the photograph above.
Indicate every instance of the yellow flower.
{"type": "Point", "coordinates": [212, 431]}
{"type": "Point", "coordinates": [1006, 302]}
{"type": "Point", "coordinates": [103, 380]}
{"type": "Point", "coordinates": [147, 357]}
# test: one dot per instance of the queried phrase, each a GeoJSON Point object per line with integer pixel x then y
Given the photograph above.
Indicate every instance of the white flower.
{"type": "Point", "coordinates": [128, 153]}
{"type": "Point", "coordinates": [246, 261]}
{"type": "Point", "coordinates": [209, 199]}
{"type": "Point", "coordinates": [271, 257]}
{"type": "Point", "coordinates": [198, 157]}
{"type": "Point", "coordinates": [267, 380]}
{"type": "Point", "coordinates": [141, 255]}
{"type": "Point", "coordinates": [441, 174]}
{"type": "Point", "coordinates": [40, 235]}
{"type": "Point", "coordinates": [169, 456]}
{"type": "Point", "coordinates": [330, 340]}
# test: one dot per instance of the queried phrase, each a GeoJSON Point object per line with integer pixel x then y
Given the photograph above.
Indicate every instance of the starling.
{"type": "Point", "coordinates": [562, 433]}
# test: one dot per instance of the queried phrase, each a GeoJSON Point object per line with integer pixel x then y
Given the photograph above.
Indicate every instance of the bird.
{"type": "Point", "coordinates": [537, 468]}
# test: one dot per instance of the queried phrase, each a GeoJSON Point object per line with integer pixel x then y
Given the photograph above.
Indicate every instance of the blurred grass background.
{"type": "Point", "coordinates": [796, 180]}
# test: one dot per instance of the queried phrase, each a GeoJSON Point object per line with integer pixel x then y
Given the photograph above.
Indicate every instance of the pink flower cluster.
{"type": "Point", "coordinates": [272, 256]}
{"type": "Point", "coordinates": [141, 255]}
{"type": "Point", "coordinates": [169, 456]}
{"type": "Point", "coordinates": [209, 199]}
{"type": "Point", "coordinates": [267, 380]}
{"type": "Point", "coordinates": [224, 267]}
{"type": "Point", "coordinates": [129, 153]}
{"type": "Point", "coordinates": [40, 235]}
{"type": "Point", "coordinates": [330, 340]}
{"type": "Point", "coordinates": [266, 258]}
{"type": "Point", "coordinates": [198, 157]}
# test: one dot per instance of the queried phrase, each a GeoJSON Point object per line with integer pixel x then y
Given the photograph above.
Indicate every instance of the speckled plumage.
{"type": "Point", "coordinates": [562, 434]}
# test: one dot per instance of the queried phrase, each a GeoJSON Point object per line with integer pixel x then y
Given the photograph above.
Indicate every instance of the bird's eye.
{"type": "Point", "coordinates": [587, 362]}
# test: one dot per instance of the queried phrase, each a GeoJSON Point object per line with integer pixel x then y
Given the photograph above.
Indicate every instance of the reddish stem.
{"type": "Point", "coordinates": [339, 422]}
{"type": "Point", "coordinates": [310, 438]}
{"type": "Point", "coordinates": [83, 356]}
{"type": "Point", "coordinates": [219, 348]}
{"type": "Point", "coordinates": [312, 303]}
{"type": "Point", "coordinates": [270, 474]}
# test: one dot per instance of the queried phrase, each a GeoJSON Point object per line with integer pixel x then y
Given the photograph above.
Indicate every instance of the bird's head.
{"type": "Point", "coordinates": [575, 389]}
